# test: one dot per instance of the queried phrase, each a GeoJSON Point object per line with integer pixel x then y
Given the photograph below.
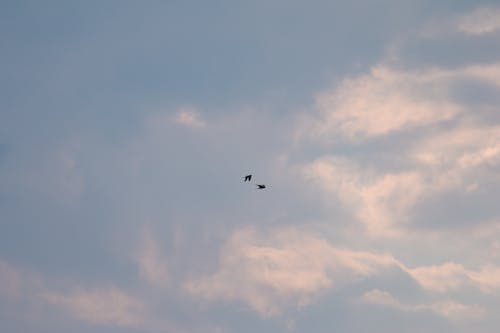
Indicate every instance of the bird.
{"type": "Point", "coordinates": [248, 178]}
{"type": "Point", "coordinates": [260, 186]}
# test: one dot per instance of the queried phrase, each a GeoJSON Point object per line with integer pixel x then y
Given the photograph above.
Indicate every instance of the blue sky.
{"type": "Point", "coordinates": [125, 129]}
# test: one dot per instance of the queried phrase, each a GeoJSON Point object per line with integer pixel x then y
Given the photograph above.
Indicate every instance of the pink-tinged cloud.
{"type": "Point", "coordinates": [460, 157]}
{"type": "Point", "coordinates": [487, 278]}
{"type": "Point", "coordinates": [190, 117]}
{"type": "Point", "coordinates": [286, 268]}
{"type": "Point", "coordinates": [463, 158]}
{"type": "Point", "coordinates": [450, 276]}
{"type": "Point", "coordinates": [109, 306]}
{"type": "Point", "coordinates": [448, 309]}
{"type": "Point", "coordinates": [151, 262]}
{"type": "Point", "coordinates": [388, 100]}
{"type": "Point", "coordinates": [383, 101]}
{"type": "Point", "coordinates": [380, 201]}
{"type": "Point", "coordinates": [440, 278]}
{"type": "Point", "coordinates": [18, 284]}
{"type": "Point", "coordinates": [10, 281]}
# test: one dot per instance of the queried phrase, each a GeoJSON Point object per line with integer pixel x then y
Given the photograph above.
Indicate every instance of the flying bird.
{"type": "Point", "coordinates": [248, 178]}
{"type": "Point", "coordinates": [260, 187]}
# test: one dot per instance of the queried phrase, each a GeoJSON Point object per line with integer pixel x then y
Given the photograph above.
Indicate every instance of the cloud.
{"type": "Point", "coordinates": [158, 120]}
{"type": "Point", "coordinates": [440, 278]}
{"type": "Point", "coordinates": [189, 117]}
{"type": "Point", "coordinates": [488, 278]}
{"type": "Point", "coordinates": [18, 284]}
{"type": "Point", "coordinates": [465, 147]}
{"type": "Point", "coordinates": [451, 276]}
{"type": "Point", "coordinates": [388, 100]}
{"type": "Point", "coordinates": [481, 21]}
{"type": "Point", "coordinates": [151, 264]}
{"type": "Point", "coordinates": [288, 268]}
{"type": "Point", "coordinates": [463, 158]}
{"type": "Point", "coordinates": [461, 154]}
{"type": "Point", "coordinates": [11, 281]}
{"type": "Point", "coordinates": [52, 175]}
{"type": "Point", "coordinates": [449, 309]}
{"type": "Point", "coordinates": [384, 101]}
{"type": "Point", "coordinates": [401, 137]}
{"type": "Point", "coordinates": [109, 306]}
{"type": "Point", "coordinates": [379, 200]}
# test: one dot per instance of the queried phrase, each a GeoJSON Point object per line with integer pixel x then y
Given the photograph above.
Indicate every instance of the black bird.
{"type": "Point", "coordinates": [248, 178]}
{"type": "Point", "coordinates": [261, 187]}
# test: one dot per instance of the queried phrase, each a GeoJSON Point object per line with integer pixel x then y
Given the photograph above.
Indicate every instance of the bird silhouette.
{"type": "Point", "coordinates": [248, 178]}
{"type": "Point", "coordinates": [260, 187]}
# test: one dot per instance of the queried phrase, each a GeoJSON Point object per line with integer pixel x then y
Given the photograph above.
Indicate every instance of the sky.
{"type": "Point", "coordinates": [126, 128]}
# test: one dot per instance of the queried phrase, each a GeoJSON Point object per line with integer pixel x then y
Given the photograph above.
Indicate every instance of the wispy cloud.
{"type": "Point", "coordinates": [190, 117]}
{"type": "Point", "coordinates": [151, 263]}
{"type": "Point", "coordinates": [452, 276]}
{"type": "Point", "coordinates": [109, 306]}
{"type": "Point", "coordinates": [381, 201]}
{"type": "Point", "coordinates": [55, 175]}
{"type": "Point", "coordinates": [449, 309]}
{"type": "Point", "coordinates": [11, 281]}
{"type": "Point", "coordinates": [481, 21]}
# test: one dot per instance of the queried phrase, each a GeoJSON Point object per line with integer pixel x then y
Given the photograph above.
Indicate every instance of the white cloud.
{"type": "Point", "coordinates": [109, 306]}
{"type": "Point", "coordinates": [446, 148]}
{"type": "Point", "coordinates": [383, 101]}
{"type": "Point", "coordinates": [449, 309]}
{"type": "Point", "coordinates": [378, 200]}
{"type": "Point", "coordinates": [451, 276]}
{"type": "Point", "coordinates": [388, 100]}
{"type": "Point", "coordinates": [487, 278]}
{"type": "Point", "coordinates": [440, 278]}
{"type": "Point", "coordinates": [287, 268]}
{"type": "Point", "coordinates": [464, 158]}
{"type": "Point", "coordinates": [158, 120]}
{"type": "Point", "coordinates": [481, 21]}
{"type": "Point", "coordinates": [452, 158]}
{"type": "Point", "coordinates": [381, 298]}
